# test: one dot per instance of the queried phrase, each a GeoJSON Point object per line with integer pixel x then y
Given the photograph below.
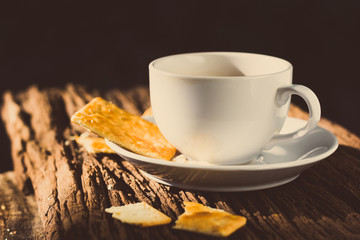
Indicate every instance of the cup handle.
{"type": "Point", "coordinates": [282, 96]}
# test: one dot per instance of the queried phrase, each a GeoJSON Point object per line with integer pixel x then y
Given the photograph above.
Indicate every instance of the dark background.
{"type": "Point", "coordinates": [105, 45]}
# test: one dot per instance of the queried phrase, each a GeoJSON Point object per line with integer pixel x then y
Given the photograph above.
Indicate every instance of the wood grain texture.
{"type": "Point", "coordinates": [19, 218]}
{"type": "Point", "coordinates": [72, 187]}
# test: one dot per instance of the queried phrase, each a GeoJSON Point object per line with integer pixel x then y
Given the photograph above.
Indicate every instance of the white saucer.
{"type": "Point", "coordinates": [279, 165]}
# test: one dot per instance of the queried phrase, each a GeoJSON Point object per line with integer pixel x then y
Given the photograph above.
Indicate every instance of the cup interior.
{"type": "Point", "coordinates": [220, 64]}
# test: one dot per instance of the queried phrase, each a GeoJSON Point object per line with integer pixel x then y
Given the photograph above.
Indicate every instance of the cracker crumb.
{"type": "Point", "coordinates": [180, 159]}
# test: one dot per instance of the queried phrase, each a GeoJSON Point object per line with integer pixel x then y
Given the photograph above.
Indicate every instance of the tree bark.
{"type": "Point", "coordinates": [72, 187]}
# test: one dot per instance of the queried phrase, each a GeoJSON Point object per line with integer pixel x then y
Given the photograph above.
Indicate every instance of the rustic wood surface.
{"type": "Point", "coordinates": [69, 188]}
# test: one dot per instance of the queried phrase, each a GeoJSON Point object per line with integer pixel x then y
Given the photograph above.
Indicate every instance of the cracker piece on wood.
{"type": "Point", "coordinates": [202, 219]}
{"type": "Point", "coordinates": [140, 214]}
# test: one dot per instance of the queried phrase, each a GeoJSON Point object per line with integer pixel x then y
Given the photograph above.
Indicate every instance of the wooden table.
{"type": "Point", "coordinates": [59, 191]}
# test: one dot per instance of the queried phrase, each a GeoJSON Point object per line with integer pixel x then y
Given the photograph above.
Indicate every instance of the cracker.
{"type": "Point", "coordinates": [140, 214]}
{"type": "Point", "coordinates": [94, 145]}
{"type": "Point", "coordinates": [148, 112]}
{"type": "Point", "coordinates": [202, 219]}
{"type": "Point", "coordinates": [123, 128]}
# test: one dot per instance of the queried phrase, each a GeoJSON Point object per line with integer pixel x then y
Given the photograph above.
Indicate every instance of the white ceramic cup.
{"type": "Point", "coordinates": [225, 107]}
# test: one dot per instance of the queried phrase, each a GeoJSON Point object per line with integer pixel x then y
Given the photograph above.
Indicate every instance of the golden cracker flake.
{"type": "Point", "coordinates": [140, 214]}
{"type": "Point", "coordinates": [202, 219]}
{"type": "Point", "coordinates": [148, 112]}
{"type": "Point", "coordinates": [123, 128]}
{"type": "Point", "coordinates": [94, 145]}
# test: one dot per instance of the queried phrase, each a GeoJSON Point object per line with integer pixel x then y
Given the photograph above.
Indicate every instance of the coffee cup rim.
{"type": "Point", "coordinates": [178, 75]}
